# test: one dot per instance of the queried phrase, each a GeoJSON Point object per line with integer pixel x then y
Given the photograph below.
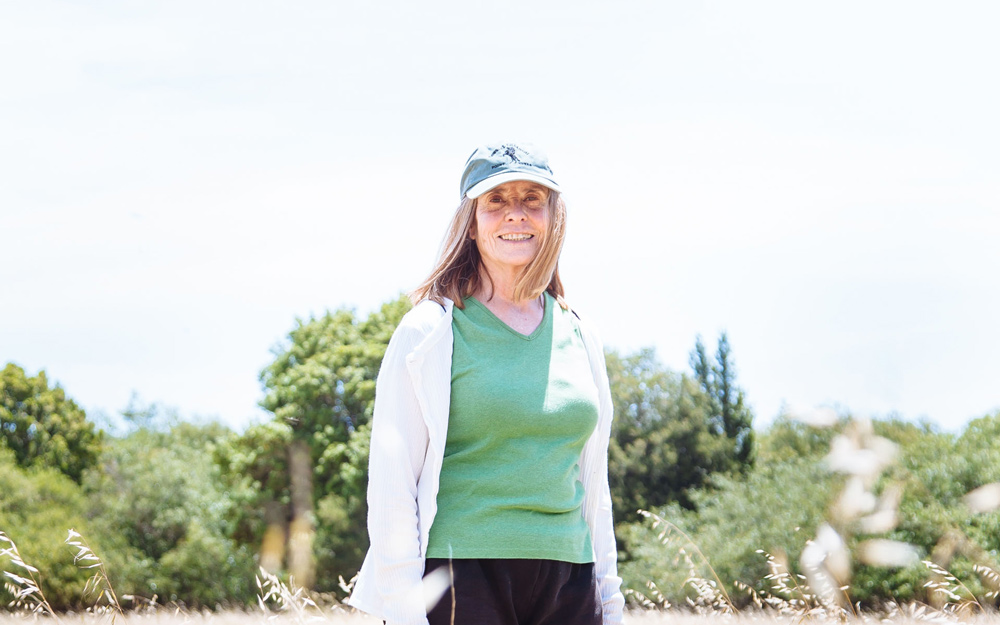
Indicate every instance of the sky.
{"type": "Point", "coordinates": [181, 181]}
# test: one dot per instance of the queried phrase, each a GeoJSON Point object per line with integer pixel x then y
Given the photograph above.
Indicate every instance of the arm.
{"type": "Point", "coordinates": [597, 505]}
{"type": "Point", "coordinates": [398, 447]}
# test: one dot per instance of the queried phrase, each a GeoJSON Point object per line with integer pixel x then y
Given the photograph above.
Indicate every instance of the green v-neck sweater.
{"type": "Point", "coordinates": [522, 409]}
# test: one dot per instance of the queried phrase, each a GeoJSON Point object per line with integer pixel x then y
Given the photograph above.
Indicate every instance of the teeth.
{"type": "Point", "coordinates": [516, 237]}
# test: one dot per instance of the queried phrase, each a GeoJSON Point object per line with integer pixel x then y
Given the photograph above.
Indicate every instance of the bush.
{"type": "Point", "coordinates": [37, 508]}
{"type": "Point", "coordinates": [780, 503]}
{"type": "Point", "coordinates": [161, 495]}
{"type": "Point", "coordinates": [776, 508]}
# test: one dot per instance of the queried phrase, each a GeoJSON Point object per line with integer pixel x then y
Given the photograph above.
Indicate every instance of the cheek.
{"type": "Point", "coordinates": [484, 250]}
{"type": "Point", "coordinates": [485, 223]}
{"type": "Point", "coordinates": [542, 223]}
{"type": "Point", "coordinates": [475, 230]}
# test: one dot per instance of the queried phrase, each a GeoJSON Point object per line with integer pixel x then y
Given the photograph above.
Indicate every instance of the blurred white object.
{"type": "Point", "coordinates": [884, 552]}
{"type": "Point", "coordinates": [816, 417]}
{"type": "Point", "coordinates": [436, 583]}
{"type": "Point", "coordinates": [854, 500]}
{"type": "Point", "coordinates": [885, 517]}
{"type": "Point", "coordinates": [984, 499]}
{"type": "Point", "coordinates": [827, 564]}
{"type": "Point", "coordinates": [866, 457]}
{"type": "Point", "coordinates": [878, 522]}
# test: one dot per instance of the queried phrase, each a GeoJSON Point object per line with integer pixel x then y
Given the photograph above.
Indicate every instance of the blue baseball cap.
{"type": "Point", "coordinates": [492, 165]}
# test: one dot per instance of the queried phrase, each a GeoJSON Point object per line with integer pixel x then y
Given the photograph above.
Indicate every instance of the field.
{"type": "Point", "coordinates": [281, 605]}
{"type": "Point", "coordinates": [166, 617]}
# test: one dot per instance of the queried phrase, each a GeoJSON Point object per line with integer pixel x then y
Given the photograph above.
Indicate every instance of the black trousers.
{"type": "Point", "coordinates": [517, 592]}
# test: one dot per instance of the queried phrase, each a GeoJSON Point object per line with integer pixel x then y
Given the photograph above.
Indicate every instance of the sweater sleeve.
{"type": "Point", "coordinates": [399, 442]}
{"type": "Point", "coordinates": [597, 508]}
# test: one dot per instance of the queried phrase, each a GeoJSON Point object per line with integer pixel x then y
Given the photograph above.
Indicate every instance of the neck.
{"type": "Point", "coordinates": [502, 293]}
{"type": "Point", "coordinates": [522, 316]}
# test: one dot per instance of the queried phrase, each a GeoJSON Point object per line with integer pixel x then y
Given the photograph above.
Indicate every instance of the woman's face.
{"type": "Point", "coordinates": [511, 221]}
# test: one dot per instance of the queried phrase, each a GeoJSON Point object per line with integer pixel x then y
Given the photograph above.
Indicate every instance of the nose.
{"type": "Point", "coordinates": [516, 212]}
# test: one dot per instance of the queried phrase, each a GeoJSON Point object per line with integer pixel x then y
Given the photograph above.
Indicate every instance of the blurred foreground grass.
{"type": "Point", "coordinates": [634, 617]}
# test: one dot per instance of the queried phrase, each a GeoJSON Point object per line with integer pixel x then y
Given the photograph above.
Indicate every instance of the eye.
{"type": "Point", "coordinates": [493, 202]}
{"type": "Point", "coordinates": [533, 200]}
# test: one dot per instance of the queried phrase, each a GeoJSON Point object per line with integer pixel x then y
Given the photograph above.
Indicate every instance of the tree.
{"type": "Point", "coordinates": [43, 427]}
{"type": "Point", "coordinates": [730, 416]}
{"type": "Point", "coordinates": [778, 504]}
{"type": "Point", "coordinates": [321, 389]}
{"type": "Point", "coordinates": [37, 507]}
{"type": "Point", "coordinates": [774, 507]}
{"type": "Point", "coordinates": [167, 513]}
{"type": "Point", "coordinates": [787, 438]}
{"type": "Point", "coordinates": [661, 443]}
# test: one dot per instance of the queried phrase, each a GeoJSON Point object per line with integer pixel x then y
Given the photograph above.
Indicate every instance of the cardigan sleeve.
{"type": "Point", "coordinates": [597, 505]}
{"type": "Point", "coordinates": [398, 447]}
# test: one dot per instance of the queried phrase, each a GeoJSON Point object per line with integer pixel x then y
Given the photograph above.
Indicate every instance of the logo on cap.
{"type": "Point", "coordinates": [509, 152]}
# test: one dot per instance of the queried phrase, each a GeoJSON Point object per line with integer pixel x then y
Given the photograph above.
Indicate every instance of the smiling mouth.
{"type": "Point", "coordinates": [516, 237]}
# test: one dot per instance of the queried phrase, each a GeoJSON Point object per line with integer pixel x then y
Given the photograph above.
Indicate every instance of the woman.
{"type": "Point", "coordinates": [491, 425]}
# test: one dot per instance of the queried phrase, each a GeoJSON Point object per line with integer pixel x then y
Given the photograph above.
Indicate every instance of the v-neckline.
{"type": "Point", "coordinates": [527, 337]}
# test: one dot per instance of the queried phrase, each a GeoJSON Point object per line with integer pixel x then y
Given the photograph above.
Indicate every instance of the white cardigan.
{"type": "Point", "coordinates": [409, 429]}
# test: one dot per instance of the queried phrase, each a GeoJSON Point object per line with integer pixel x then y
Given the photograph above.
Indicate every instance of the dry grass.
{"type": "Point", "coordinates": [178, 617]}
{"type": "Point", "coordinates": [167, 617]}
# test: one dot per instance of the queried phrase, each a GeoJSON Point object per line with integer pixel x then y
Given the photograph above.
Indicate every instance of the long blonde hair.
{"type": "Point", "coordinates": [458, 273]}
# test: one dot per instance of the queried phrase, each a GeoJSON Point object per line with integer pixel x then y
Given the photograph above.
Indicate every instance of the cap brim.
{"type": "Point", "coordinates": [508, 176]}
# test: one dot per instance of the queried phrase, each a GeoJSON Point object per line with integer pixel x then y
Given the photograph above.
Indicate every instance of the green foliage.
{"type": "Point", "coordinates": [341, 512]}
{"type": "Point", "coordinates": [787, 439]}
{"type": "Point", "coordinates": [937, 470]}
{"type": "Point", "coordinates": [205, 568]}
{"type": "Point", "coordinates": [321, 389]}
{"type": "Point", "coordinates": [661, 444]}
{"type": "Point", "coordinates": [322, 381]}
{"type": "Point", "coordinates": [778, 504]}
{"type": "Point", "coordinates": [38, 505]}
{"type": "Point", "coordinates": [162, 498]}
{"type": "Point", "coordinates": [775, 507]}
{"type": "Point", "coordinates": [254, 467]}
{"type": "Point", "coordinates": [979, 444]}
{"type": "Point", "coordinates": [672, 432]}
{"type": "Point", "coordinates": [730, 416]}
{"type": "Point", "coordinates": [43, 427]}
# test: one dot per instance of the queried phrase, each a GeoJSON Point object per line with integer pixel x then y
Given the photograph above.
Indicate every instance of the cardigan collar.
{"type": "Point", "coordinates": [441, 328]}
{"type": "Point", "coordinates": [432, 381]}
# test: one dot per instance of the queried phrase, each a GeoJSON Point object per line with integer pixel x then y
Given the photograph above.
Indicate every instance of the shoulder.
{"type": "Point", "coordinates": [425, 320]}
{"type": "Point", "coordinates": [587, 330]}
{"type": "Point", "coordinates": [425, 316]}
